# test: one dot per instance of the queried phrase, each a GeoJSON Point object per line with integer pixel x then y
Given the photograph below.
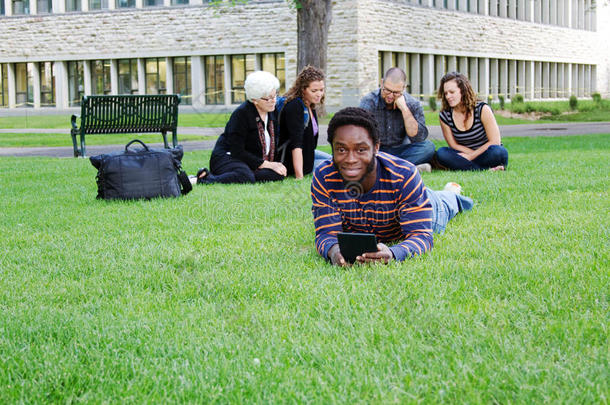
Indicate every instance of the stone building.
{"type": "Point", "coordinates": [52, 52]}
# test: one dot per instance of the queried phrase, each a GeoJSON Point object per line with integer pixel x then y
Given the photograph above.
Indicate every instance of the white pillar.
{"type": "Point", "coordinates": [428, 75]}
{"type": "Point", "coordinates": [36, 84]}
{"type": "Point", "coordinates": [402, 62]}
{"type": "Point", "coordinates": [450, 4]}
{"type": "Point", "coordinates": [140, 4]}
{"type": "Point", "coordinates": [567, 79]}
{"type": "Point", "coordinates": [537, 10]}
{"type": "Point", "coordinates": [167, 3]}
{"type": "Point", "coordinates": [581, 14]}
{"type": "Point", "coordinates": [530, 11]}
{"type": "Point", "coordinates": [462, 5]}
{"type": "Point", "coordinates": [473, 70]}
{"type": "Point", "coordinates": [530, 83]}
{"type": "Point", "coordinates": [62, 92]}
{"type": "Point", "coordinates": [198, 81]}
{"type": "Point", "coordinates": [439, 69]}
{"type": "Point", "coordinates": [512, 77]}
{"type": "Point", "coordinates": [84, 5]}
{"type": "Point", "coordinates": [537, 80]}
{"type": "Point", "coordinates": [521, 11]}
{"type": "Point", "coordinates": [227, 79]}
{"type": "Point", "coordinates": [581, 80]}
{"type": "Point", "coordinates": [593, 78]}
{"type": "Point", "coordinates": [12, 85]}
{"type": "Point", "coordinates": [463, 65]}
{"type": "Point", "coordinates": [512, 9]}
{"type": "Point", "coordinates": [387, 61]}
{"type": "Point", "coordinates": [195, 2]}
{"type": "Point", "coordinates": [169, 76]}
{"type": "Point", "coordinates": [59, 6]}
{"type": "Point", "coordinates": [545, 11]}
{"type": "Point", "coordinates": [553, 93]}
{"type": "Point", "coordinates": [493, 7]}
{"type": "Point", "coordinates": [111, 4]}
{"type": "Point", "coordinates": [114, 76]}
{"type": "Point", "coordinates": [141, 76]}
{"type": "Point", "coordinates": [553, 11]}
{"type": "Point", "coordinates": [87, 77]}
{"type": "Point", "coordinates": [502, 12]}
{"type": "Point", "coordinates": [546, 79]}
{"type": "Point", "coordinates": [560, 81]}
{"type": "Point", "coordinates": [484, 78]}
{"type": "Point", "coordinates": [503, 72]}
{"type": "Point", "coordinates": [494, 80]}
{"type": "Point", "coordinates": [33, 7]}
{"type": "Point", "coordinates": [567, 13]}
{"type": "Point", "coordinates": [521, 77]}
{"type": "Point", "coordinates": [415, 74]}
{"type": "Point", "coordinates": [451, 64]}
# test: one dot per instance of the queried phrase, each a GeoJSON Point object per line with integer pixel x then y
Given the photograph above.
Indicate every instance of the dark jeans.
{"type": "Point", "coordinates": [226, 169]}
{"type": "Point", "coordinates": [494, 156]}
{"type": "Point", "coordinates": [415, 152]}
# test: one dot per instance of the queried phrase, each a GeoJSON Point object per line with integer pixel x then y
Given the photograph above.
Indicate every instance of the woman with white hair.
{"type": "Point", "coordinates": [245, 152]}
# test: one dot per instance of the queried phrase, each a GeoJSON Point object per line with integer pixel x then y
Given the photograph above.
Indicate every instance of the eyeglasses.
{"type": "Point", "coordinates": [388, 91]}
{"type": "Point", "coordinates": [270, 98]}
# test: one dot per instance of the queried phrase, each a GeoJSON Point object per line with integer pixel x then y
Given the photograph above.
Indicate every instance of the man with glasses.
{"type": "Point", "coordinates": [400, 119]}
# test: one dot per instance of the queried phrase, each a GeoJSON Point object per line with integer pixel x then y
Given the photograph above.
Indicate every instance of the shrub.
{"type": "Point", "coordinates": [501, 100]}
{"type": "Point", "coordinates": [517, 99]}
{"type": "Point", "coordinates": [432, 103]}
{"type": "Point", "coordinates": [573, 102]}
{"type": "Point", "coordinates": [597, 98]}
{"type": "Point", "coordinates": [554, 111]}
{"type": "Point", "coordinates": [529, 108]}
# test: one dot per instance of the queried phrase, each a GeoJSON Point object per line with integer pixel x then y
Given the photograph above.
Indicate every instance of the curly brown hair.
{"type": "Point", "coordinates": [306, 76]}
{"type": "Point", "coordinates": [469, 97]}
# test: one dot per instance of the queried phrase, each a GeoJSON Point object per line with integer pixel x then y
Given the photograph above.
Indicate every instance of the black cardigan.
{"type": "Point", "coordinates": [294, 130]}
{"type": "Point", "coordinates": [240, 137]}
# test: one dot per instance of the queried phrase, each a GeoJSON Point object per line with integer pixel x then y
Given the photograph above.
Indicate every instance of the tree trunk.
{"type": "Point", "coordinates": [313, 21]}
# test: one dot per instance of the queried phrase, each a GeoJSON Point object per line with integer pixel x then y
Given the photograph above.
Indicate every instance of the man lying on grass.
{"type": "Point", "coordinates": [364, 190]}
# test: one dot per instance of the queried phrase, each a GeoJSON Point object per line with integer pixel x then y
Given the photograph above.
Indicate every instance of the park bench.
{"type": "Point", "coordinates": [126, 114]}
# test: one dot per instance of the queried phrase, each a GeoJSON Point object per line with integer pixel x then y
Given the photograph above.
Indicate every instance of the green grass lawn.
{"type": "Point", "coordinates": [219, 296]}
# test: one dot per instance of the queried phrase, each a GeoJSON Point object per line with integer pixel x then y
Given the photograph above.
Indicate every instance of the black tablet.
{"type": "Point", "coordinates": [355, 244]}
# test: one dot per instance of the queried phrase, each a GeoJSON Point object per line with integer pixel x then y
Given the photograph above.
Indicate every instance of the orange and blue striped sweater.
{"type": "Point", "coordinates": [396, 208]}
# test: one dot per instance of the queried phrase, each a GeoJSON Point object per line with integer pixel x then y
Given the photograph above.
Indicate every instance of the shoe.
{"type": "Point", "coordinates": [193, 179]}
{"type": "Point", "coordinates": [424, 167]}
{"type": "Point", "coordinates": [453, 186]}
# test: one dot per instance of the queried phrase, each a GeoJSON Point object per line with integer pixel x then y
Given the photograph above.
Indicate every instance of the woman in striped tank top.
{"type": "Point", "coordinates": [469, 127]}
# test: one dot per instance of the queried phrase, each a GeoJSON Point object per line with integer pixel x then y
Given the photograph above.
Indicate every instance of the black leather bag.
{"type": "Point", "coordinates": [141, 173]}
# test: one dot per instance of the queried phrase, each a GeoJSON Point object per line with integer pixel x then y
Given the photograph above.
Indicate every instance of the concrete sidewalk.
{"type": "Point", "coordinates": [560, 129]}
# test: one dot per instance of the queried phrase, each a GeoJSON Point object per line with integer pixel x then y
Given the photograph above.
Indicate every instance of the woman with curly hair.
{"type": "Point", "coordinates": [299, 123]}
{"type": "Point", "coordinates": [469, 127]}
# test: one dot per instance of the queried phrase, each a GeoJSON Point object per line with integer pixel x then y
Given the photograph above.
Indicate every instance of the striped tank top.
{"type": "Point", "coordinates": [472, 138]}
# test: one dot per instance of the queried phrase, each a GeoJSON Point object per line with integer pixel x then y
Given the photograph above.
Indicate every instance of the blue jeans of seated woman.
{"type": "Point", "coordinates": [446, 205]}
{"type": "Point", "coordinates": [494, 156]}
{"type": "Point", "coordinates": [415, 152]}
{"type": "Point", "coordinates": [319, 157]}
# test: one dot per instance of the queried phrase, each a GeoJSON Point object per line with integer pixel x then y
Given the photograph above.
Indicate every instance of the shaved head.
{"type": "Point", "coordinates": [395, 75]}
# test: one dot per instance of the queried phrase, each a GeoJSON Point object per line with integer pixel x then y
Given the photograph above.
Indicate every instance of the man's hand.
{"type": "Point", "coordinates": [275, 166]}
{"type": "Point", "coordinates": [401, 103]}
{"type": "Point", "coordinates": [335, 256]}
{"type": "Point", "coordinates": [383, 255]}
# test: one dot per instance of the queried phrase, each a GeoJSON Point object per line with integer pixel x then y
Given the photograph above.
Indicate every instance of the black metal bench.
{"type": "Point", "coordinates": [126, 114]}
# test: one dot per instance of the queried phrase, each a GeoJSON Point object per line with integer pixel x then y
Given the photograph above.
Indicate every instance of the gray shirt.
{"type": "Point", "coordinates": [391, 124]}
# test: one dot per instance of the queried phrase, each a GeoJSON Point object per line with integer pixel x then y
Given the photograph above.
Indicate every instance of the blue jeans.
{"type": "Point", "coordinates": [494, 156]}
{"type": "Point", "coordinates": [319, 157]}
{"type": "Point", "coordinates": [415, 152]}
{"type": "Point", "coordinates": [446, 205]}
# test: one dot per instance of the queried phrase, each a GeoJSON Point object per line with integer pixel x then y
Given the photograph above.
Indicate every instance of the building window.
{"type": "Point", "coordinates": [128, 76]}
{"type": "Point", "coordinates": [182, 79]}
{"type": "Point", "coordinates": [179, 2]}
{"type": "Point", "coordinates": [241, 66]}
{"type": "Point", "coordinates": [274, 63]}
{"type": "Point", "coordinates": [98, 4]}
{"type": "Point", "coordinates": [21, 7]}
{"type": "Point", "coordinates": [47, 85]}
{"type": "Point", "coordinates": [44, 6]}
{"type": "Point", "coordinates": [126, 3]}
{"type": "Point", "coordinates": [153, 3]}
{"type": "Point", "coordinates": [214, 80]}
{"type": "Point", "coordinates": [100, 77]}
{"type": "Point", "coordinates": [73, 5]}
{"type": "Point", "coordinates": [23, 84]}
{"type": "Point", "coordinates": [2, 11]}
{"type": "Point", "coordinates": [75, 83]}
{"type": "Point", "coordinates": [3, 85]}
{"type": "Point", "coordinates": [155, 76]}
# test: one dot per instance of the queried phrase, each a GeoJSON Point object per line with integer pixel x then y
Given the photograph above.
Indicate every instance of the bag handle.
{"type": "Point", "coordinates": [136, 140]}
{"type": "Point", "coordinates": [185, 183]}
